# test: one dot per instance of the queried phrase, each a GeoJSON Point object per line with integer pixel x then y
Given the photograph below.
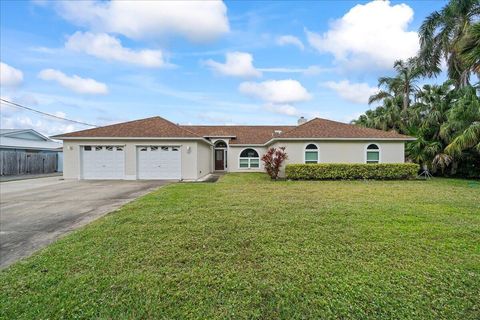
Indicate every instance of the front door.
{"type": "Point", "coordinates": [219, 159]}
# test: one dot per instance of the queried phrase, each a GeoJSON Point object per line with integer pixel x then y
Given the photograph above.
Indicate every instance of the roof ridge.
{"type": "Point", "coordinates": [236, 125]}
{"type": "Point", "coordinates": [296, 127]}
{"type": "Point", "coordinates": [179, 126]}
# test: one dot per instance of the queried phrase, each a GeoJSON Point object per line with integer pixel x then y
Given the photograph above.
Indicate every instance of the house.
{"type": "Point", "coordinates": [24, 151]}
{"type": "Point", "coordinates": [155, 148]}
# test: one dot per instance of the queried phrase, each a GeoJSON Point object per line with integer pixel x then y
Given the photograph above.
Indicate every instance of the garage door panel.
{"type": "Point", "coordinates": [159, 162]}
{"type": "Point", "coordinates": [103, 162]}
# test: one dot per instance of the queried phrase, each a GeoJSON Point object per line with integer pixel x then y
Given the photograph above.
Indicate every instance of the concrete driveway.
{"type": "Point", "coordinates": [35, 212]}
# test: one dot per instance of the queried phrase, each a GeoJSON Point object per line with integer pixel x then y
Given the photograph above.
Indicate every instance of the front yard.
{"type": "Point", "coordinates": [246, 247]}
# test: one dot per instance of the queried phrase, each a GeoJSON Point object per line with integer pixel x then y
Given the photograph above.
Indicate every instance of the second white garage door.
{"type": "Point", "coordinates": [159, 162]}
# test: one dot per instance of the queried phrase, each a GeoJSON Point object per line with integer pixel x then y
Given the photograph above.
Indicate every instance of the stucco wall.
{"type": "Point", "coordinates": [233, 159]}
{"type": "Point", "coordinates": [204, 159]}
{"type": "Point", "coordinates": [72, 165]}
{"type": "Point", "coordinates": [344, 151]}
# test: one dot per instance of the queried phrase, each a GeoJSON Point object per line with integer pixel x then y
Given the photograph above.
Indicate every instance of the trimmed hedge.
{"type": "Point", "coordinates": [347, 171]}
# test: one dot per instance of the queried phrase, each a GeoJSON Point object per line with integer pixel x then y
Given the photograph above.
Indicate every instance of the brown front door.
{"type": "Point", "coordinates": [219, 160]}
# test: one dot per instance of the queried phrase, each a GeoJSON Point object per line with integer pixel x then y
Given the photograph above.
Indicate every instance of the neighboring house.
{"type": "Point", "coordinates": [155, 148]}
{"type": "Point", "coordinates": [24, 151]}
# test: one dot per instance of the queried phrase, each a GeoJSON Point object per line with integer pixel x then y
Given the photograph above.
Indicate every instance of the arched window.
{"type": "Point", "coordinates": [220, 144]}
{"type": "Point", "coordinates": [249, 159]}
{"type": "Point", "coordinates": [373, 153]}
{"type": "Point", "coordinates": [311, 153]}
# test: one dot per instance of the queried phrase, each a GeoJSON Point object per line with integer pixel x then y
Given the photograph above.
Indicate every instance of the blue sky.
{"type": "Point", "coordinates": [228, 62]}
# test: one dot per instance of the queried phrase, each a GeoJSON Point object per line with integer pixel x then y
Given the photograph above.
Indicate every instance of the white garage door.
{"type": "Point", "coordinates": [159, 162]}
{"type": "Point", "coordinates": [103, 162]}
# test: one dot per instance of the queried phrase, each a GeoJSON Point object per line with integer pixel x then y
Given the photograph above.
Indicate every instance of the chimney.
{"type": "Point", "coordinates": [301, 121]}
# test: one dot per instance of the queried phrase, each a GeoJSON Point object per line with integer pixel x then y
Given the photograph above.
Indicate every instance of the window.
{"type": "Point", "coordinates": [249, 159]}
{"type": "Point", "coordinates": [109, 148]}
{"type": "Point", "coordinates": [119, 148]}
{"type": "Point", "coordinates": [220, 144]}
{"type": "Point", "coordinates": [143, 149]}
{"type": "Point", "coordinates": [87, 148]}
{"type": "Point", "coordinates": [311, 153]}
{"type": "Point", "coordinates": [164, 148]}
{"type": "Point", "coordinates": [98, 148]}
{"type": "Point", "coordinates": [174, 148]}
{"type": "Point", "coordinates": [153, 148]}
{"type": "Point", "coordinates": [373, 153]}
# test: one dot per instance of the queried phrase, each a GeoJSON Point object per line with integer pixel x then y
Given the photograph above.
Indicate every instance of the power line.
{"type": "Point", "coordinates": [46, 114]}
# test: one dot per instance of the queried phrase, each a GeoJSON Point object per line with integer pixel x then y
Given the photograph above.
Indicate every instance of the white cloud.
{"type": "Point", "coordinates": [74, 83]}
{"type": "Point", "coordinates": [198, 21]}
{"type": "Point", "coordinates": [285, 109]}
{"type": "Point", "coordinates": [9, 76]}
{"type": "Point", "coordinates": [276, 91]}
{"type": "Point", "coordinates": [353, 92]}
{"type": "Point", "coordinates": [308, 71]}
{"type": "Point", "coordinates": [237, 64]}
{"type": "Point", "coordinates": [47, 126]}
{"type": "Point", "coordinates": [290, 40]}
{"type": "Point", "coordinates": [104, 46]}
{"type": "Point", "coordinates": [373, 34]}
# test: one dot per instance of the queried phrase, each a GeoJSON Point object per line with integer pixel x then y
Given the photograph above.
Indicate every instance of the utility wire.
{"type": "Point", "coordinates": [46, 114]}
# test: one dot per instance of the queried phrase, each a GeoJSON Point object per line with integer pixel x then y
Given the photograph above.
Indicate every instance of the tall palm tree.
{"type": "Point", "coordinates": [440, 37]}
{"type": "Point", "coordinates": [470, 48]}
{"type": "Point", "coordinates": [402, 84]}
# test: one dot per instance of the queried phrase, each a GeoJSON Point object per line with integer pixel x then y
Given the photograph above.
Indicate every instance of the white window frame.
{"type": "Point", "coordinates": [370, 150]}
{"type": "Point", "coordinates": [249, 160]}
{"type": "Point", "coordinates": [311, 150]}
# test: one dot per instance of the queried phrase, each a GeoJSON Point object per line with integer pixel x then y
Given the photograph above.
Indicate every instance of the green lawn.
{"type": "Point", "coordinates": [246, 247]}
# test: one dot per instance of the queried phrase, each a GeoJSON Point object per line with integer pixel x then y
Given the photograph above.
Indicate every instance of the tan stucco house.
{"type": "Point", "coordinates": [155, 148]}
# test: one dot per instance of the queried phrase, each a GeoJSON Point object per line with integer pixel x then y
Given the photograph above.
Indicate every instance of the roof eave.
{"type": "Point", "coordinates": [131, 138]}
{"type": "Point", "coordinates": [341, 139]}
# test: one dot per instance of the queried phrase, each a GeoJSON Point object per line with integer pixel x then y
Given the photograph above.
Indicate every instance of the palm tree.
{"type": "Point", "coordinates": [440, 37]}
{"type": "Point", "coordinates": [432, 108]}
{"type": "Point", "coordinates": [463, 125]}
{"type": "Point", "coordinates": [422, 151]}
{"type": "Point", "coordinates": [402, 84]}
{"type": "Point", "coordinates": [470, 48]}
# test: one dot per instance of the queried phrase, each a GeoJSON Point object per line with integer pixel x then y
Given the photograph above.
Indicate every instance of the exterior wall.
{"type": "Point", "coordinates": [189, 156]}
{"type": "Point", "coordinates": [343, 151]}
{"type": "Point", "coordinates": [204, 159]}
{"type": "Point", "coordinates": [234, 155]}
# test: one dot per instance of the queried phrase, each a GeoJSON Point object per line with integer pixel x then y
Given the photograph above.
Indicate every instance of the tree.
{"type": "Point", "coordinates": [423, 151]}
{"type": "Point", "coordinates": [463, 125]}
{"type": "Point", "coordinates": [470, 49]}
{"type": "Point", "coordinates": [403, 84]}
{"type": "Point", "coordinates": [441, 34]}
{"type": "Point", "coordinates": [273, 160]}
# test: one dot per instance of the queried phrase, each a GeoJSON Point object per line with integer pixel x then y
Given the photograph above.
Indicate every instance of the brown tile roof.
{"type": "Point", "coordinates": [150, 127]}
{"type": "Point", "coordinates": [242, 134]}
{"type": "Point", "coordinates": [159, 127]}
{"type": "Point", "coordinates": [323, 128]}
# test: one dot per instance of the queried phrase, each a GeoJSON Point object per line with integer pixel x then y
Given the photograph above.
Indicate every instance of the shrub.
{"type": "Point", "coordinates": [335, 171]}
{"type": "Point", "coordinates": [273, 160]}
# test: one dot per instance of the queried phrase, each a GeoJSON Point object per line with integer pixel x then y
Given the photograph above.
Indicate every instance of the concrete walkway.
{"type": "Point", "coordinates": [35, 212]}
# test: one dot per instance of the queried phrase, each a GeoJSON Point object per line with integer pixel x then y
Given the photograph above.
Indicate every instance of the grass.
{"type": "Point", "coordinates": [246, 247]}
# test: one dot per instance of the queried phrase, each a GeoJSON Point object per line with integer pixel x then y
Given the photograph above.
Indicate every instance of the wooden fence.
{"type": "Point", "coordinates": [18, 163]}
